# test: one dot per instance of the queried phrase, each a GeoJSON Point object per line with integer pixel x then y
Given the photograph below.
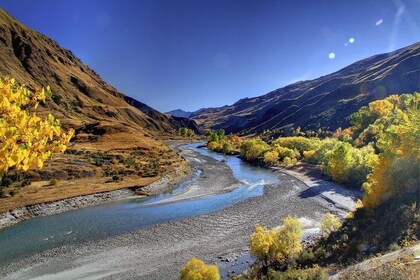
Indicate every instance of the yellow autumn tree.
{"type": "Point", "coordinates": [277, 245]}
{"type": "Point", "coordinates": [340, 161]}
{"type": "Point", "coordinates": [271, 157]}
{"type": "Point", "coordinates": [196, 269]}
{"type": "Point", "coordinates": [396, 171]}
{"type": "Point", "coordinates": [261, 242]}
{"type": "Point", "coordinates": [26, 140]}
{"type": "Point", "coordinates": [287, 240]}
{"type": "Point", "coordinates": [329, 223]}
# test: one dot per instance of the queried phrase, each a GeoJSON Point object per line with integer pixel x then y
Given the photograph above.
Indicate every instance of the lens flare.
{"type": "Point", "coordinates": [351, 40]}
{"type": "Point", "coordinates": [379, 22]}
{"type": "Point", "coordinates": [331, 55]}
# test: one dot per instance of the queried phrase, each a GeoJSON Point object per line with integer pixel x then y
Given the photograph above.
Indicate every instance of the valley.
{"type": "Point", "coordinates": [212, 217]}
{"type": "Point", "coordinates": [315, 180]}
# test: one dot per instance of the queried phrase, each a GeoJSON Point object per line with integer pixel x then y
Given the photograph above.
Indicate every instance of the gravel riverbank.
{"type": "Point", "coordinates": [158, 252]}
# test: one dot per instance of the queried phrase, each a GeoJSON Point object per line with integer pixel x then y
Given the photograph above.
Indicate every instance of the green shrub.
{"type": "Point", "coordinates": [315, 273]}
{"type": "Point", "coordinates": [254, 149]}
{"type": "Point", "coordinates": [53, 182]}
{"type": "Point", "coordinates": [116, 178]}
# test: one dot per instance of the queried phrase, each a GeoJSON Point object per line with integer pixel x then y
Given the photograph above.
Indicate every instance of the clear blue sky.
{"type": "Point", "coordinates": [190, 53]}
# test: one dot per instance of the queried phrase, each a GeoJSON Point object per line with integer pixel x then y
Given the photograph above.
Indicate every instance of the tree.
{"type": "Point", "coordinates": [261, 241]}
{"type": "Point", "coordinates": [287, 240]}
{"type": "Point", "coordinates": [277, 245]}
{"type": "Point", "coordinates": [196, 269]}
{"type": "Point", "coordinates": [271, 157]}
{"type": "Point", "coordinates": [396, 171]}
{"type": "Point", "coordinates": [340, 161]}
{"type": "Point", "coordinates": [329, 223]}
{"type": "Point", "coordinates": [26, 140]}
{"type": "Point", "coordinates": [253, 149]}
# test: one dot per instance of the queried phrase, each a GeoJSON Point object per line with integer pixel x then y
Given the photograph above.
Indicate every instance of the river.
{"type": "Point", "coordinates": [111, 219]}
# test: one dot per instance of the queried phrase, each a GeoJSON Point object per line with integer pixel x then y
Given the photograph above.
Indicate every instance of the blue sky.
{"type": "Point", "coordinates": [203, 53]}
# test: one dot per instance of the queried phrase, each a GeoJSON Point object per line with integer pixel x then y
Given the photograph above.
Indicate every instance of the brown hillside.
{"type": "Point", "coordinates": [105, 120]}
{"type": "Point", "coordinates": [324, 102]}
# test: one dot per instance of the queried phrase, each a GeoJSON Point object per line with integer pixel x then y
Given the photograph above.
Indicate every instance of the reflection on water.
{"type": "Point", "coordinates": [114, 218]}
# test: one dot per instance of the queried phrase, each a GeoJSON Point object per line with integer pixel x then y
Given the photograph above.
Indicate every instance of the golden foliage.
{"type": "Point", "coordinates": [196, 269]}
{"type": "Point", "coordinates": [26, 140]}
{"type": "Point", "coordinates": [276, 245]}
{"type": "Point", "coordinates": [396, 169]}
{"type": "Point", "coordinates": [261, 241]}
{"type": "Point", "coordinates": [287, 240]}
{"type": "Point", "coordinates": [329, 223]}
{"type": "Point", "coordinates": [271, 157]}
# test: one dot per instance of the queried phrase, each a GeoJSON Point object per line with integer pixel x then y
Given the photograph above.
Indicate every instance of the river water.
{"type": "Point", "coordinates": [110, 219]}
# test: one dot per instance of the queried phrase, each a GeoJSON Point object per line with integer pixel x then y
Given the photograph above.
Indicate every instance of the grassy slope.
{"type": "Point", "coordinates": [105, 120]}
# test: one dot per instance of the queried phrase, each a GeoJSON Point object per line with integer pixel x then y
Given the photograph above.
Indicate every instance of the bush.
{"type": "Point", "coordinates": [309, 156]}
{"type": "Point", "coordinates": [287, 161]}
{"type": "Point", "coordinates": [271, 157]}
{"type": "Point", "coordinates": [285, 152]}
{"type": "Point", "coordinates": [315, 273]}
{"type": "Point", "coordinates": [329, 223]}
{"type": "Point", "coordinates": [272, 245]}
{"type": "Point", "coordinates": [53, 182]}
{"type": "Point", "coordinates": [116, 178]}
{"type": "Point", "coordinates": [301, 144]}
{"type": "Point", "coordinates": [253, 149]}
{"type": "Point", "coordinates": [196, 269]}
{"type": "Point", "coordinates": [7, 181]}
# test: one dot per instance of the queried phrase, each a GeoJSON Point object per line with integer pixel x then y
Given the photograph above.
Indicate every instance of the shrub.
{"type": "Point", "coordinates": [285, 152]}
{"type": "Point", "coordinates": [271, 157]}
{"type": "Point", "coordinates": [227, 147]}
{"type": "Point", "coordinates": [116, 178]}
{"type": "Point", "coordinates": [299, 143]}
{"type": "Point", "coordinates": [7, 181]}
{"type": "Point", "coordinates": [261, 242]}
{"type": "Point", "coordinates": [53, 182]}
{"type": "Point", "coordinates": [340, 162]}
{"type": "Point", "coordinates": [253, 149]}
{"type": "Point", "coordinates": [287, 240]}
{"type": "Point", "coordinates": [287, 161]}
{"type": "Point", "coordinates": [271, 245]}
{"type": "Point", "coordinates": [315, 273]}
{"type": "Point", "coordinates": [309, 156]}
{"type": "Point", "coordinates": [329, 223]}
{"type": "Point", "coordinates": [196, 269]}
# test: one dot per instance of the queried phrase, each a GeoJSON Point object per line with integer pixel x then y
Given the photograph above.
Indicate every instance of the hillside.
{"type": "Point", "coordinates": [179, 113]}
{"type": "Point", "coordinates": [324, 102]}
{"type": "Point", "coordinates": [108, 124]}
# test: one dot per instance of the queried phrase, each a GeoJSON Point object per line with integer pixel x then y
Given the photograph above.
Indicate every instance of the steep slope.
{"type": "Point", "coordinates": [324, 102]}
{"type": "Point", "coordinates": [115, 134]}
{"type": "Point", "coordinates": [79, 94]}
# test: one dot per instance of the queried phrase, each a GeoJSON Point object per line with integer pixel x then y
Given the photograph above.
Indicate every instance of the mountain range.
{"type": "Point", "coordinates": [325, 102]}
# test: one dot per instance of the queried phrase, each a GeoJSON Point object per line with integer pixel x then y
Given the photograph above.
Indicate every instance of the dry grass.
{"type": "Point", "coordinates": [43, 191]}
{"type": "Point", "coordinates": [89, 167]}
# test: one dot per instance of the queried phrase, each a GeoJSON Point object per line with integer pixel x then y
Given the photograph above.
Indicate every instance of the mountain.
{"type": "Point", "coordinates": [108, 124]}
{"type": "Point", "coordinates": [179, 113]}
{"type": "Point", "coordinates": [80, 96]}
{"type": "Point", "coordinates": [324, 102]}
